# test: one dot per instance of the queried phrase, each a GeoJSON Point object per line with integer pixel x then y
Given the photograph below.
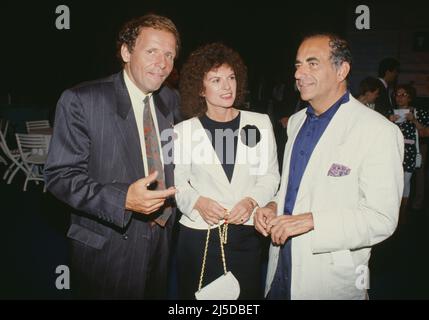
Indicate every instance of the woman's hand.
{"type": "Point", "coordinates": [210, 210]}
{"type": "Point", "coordinates": [242, 211]}
{"type": "Point", "coordinates": [410, 116]}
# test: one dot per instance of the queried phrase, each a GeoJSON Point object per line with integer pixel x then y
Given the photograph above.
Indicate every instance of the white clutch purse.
{"type": "Point", "coordinates": [226, 287]}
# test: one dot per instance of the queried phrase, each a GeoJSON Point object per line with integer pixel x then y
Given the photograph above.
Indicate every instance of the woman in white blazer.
{"type": "Point", "coordinates": [225, 167]}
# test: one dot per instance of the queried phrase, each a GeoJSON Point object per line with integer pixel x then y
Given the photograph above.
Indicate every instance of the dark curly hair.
{"type": "Point", "coordinates": [131, 30]}
{"type": "Point", "coordinates": [199, 63]}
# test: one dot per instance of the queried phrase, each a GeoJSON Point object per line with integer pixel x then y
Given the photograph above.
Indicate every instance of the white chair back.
{"type": "Point", "coordinates": [36, 125]}
{"type": "Point", "coordinates": [31, 144]}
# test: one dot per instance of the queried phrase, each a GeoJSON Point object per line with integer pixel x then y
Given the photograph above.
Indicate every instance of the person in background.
{"type": "Point", "coordinates": [409, 119]}
{"type": "Point", "coordinates": [369, 90]}
{"type": "Point", "coordinates": [388, 71]}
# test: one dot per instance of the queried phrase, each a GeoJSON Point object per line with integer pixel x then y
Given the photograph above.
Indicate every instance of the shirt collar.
{"type": "Point", "coordinates": [328, 114]}
{"type": "Point", "coordinates": [383, 81]}
{"type": "Point", "coordinates": [134, 91]}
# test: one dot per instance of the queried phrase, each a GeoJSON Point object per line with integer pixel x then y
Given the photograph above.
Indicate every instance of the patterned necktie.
{"type": "Point", "coordinates": [154, 158]}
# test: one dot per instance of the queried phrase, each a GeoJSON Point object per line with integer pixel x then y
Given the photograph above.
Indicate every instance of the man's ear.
{"type": "Point", "coordinates": [343, 71]}
{"type": "Point", "coordinates": [125, 53]}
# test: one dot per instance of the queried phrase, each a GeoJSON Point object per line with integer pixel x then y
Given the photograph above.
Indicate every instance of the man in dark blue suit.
{"type": "Point", "coordinates": [388, 71]}
{"type": "Point", "coordinates": [109, 160]}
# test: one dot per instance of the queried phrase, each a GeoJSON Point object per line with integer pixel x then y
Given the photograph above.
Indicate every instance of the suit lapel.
{"type": "Point", "coordinates": [325, 150]}
{"type": "Point", "coordinates": [286, 159]}
{"type": "Point", "coordinates": [127, 127]}
{"type": "Point", "coordinates": [240, 157]}
{"type": "Point", "coordinates": [214, 165]}
{"type": "Point", "coordinates": [244, 155]}
{"type": "Point", "coordinates": [288, 150]}
{"type": "Point", "coordinates": [165, 122]}
{"type": "Point", "coordinates": [163, 114]}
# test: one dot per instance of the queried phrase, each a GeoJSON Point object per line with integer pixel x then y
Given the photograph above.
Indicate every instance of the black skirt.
{"type": "Point", "coordinates": [242, 253]}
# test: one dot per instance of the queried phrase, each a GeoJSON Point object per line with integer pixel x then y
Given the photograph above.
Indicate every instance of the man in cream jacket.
{"type": "Point", "coordinates": [341, 186]}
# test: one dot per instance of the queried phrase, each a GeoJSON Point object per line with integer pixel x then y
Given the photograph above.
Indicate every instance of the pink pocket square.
{"type": "Point", "coordinates": [338, 170]}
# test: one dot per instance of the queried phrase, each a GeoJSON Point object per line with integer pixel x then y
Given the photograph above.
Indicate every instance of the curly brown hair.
{"type": "Point", "coordinates": [199, 63]}
{"type": "Point", "coordinates": [131, 30]}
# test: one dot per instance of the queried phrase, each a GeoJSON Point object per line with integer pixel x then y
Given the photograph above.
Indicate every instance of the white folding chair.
{"type": "Point", "coordinates": [14, 156]}
{"type": "Point", "coordinates": [36, 125]}
{"type": "Point", "coordinates": [33, 151]}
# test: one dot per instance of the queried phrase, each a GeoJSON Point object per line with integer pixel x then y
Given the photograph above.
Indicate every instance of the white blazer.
{"type": "Point", "coordinates": [351, 213]}
{"type": "Point", "coordinates": [198, 171]}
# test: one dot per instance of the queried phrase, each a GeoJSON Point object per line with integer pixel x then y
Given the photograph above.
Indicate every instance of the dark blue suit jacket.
{"type": "Point", "coordinates": [94, 156]}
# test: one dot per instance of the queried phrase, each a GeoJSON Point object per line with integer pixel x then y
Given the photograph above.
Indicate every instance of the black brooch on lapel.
{"type": "Point", "coordinates": [250, 135]}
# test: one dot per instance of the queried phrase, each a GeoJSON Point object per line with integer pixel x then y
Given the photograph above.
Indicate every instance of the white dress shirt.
{"type": "Point", "coordinates": [137, 97]}
{"type": "Point", "coordinates": [383, 82]}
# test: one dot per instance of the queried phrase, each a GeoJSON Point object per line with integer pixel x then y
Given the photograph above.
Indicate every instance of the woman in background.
{"type": "Point", "coordinates": [414, 119]}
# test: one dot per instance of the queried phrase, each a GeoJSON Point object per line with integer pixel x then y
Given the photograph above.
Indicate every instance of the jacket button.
{"type": "Point", "coordinates": [125, 237]}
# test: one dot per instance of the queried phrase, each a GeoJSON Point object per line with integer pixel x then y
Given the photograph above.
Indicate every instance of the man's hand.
{"type": "Point", "coordinates": [263, 216]}
{"type": "Point", "coordinates": [286, 226]}
{"type": "Point", "coordinates": [210, 210]}
{"type": "Point", "coordinates": [242, 211]}
{"type": "Point", "coordinates": [140, 199]}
